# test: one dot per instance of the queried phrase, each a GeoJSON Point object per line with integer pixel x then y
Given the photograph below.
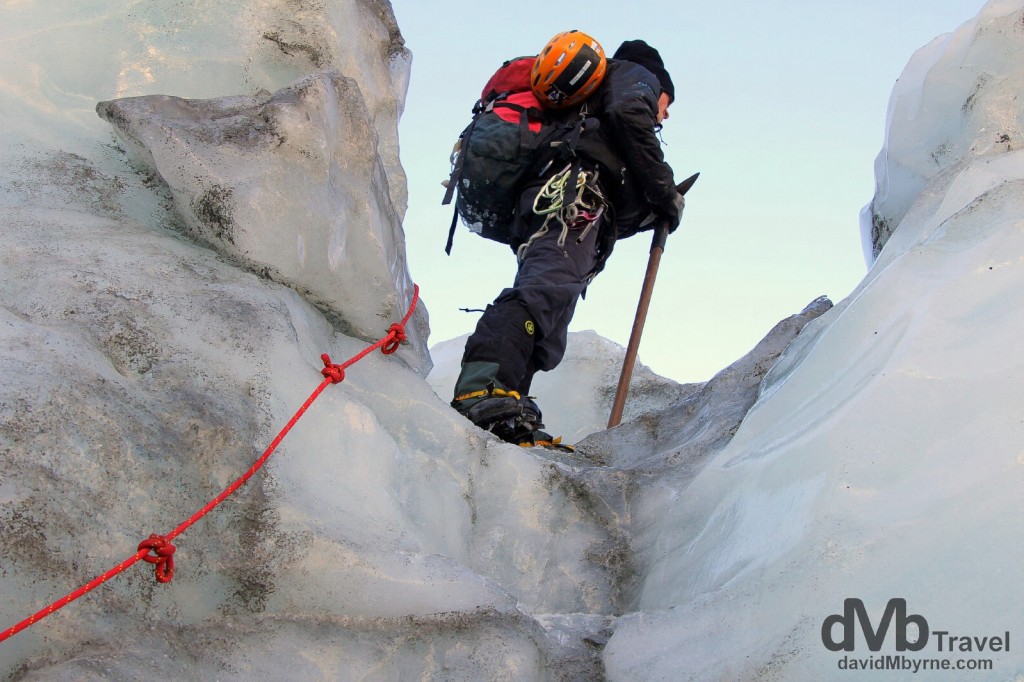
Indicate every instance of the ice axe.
{"type": "Point", "coordinates": [657, 248]}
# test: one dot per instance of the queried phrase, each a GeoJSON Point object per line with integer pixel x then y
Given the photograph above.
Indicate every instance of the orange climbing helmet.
{"type": "Point", "coordinates": [568, 69]}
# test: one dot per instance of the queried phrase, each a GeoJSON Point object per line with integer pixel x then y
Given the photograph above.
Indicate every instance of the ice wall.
{"type": "Point", "coordinates": [882, 459]}
{"type": "Point", "coordinates": [268, 129]}
{"type": "Point", "coordinates": [956, 102]}
{"type": "Point", "coordinates": [59, 62]}
{"type": "Point", "coordinates": [292, 186]}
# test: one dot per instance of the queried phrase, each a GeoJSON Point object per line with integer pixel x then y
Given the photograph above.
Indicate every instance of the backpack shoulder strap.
{"type": "Point", "coordinates": [451, 232]}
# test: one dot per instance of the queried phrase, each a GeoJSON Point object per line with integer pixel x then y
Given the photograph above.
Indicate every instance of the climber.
{"type": "Point", "coordinates": [565, 225]}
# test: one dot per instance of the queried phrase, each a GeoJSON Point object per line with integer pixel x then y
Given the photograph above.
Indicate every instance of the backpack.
{"type": "Point", "coordinates": [508, 139]}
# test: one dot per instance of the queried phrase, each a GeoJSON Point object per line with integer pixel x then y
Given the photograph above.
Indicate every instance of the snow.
{"type": "Point", "coordinates": [867, 450]}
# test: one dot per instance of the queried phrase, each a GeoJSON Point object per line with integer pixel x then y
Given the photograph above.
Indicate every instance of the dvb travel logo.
{"type": "Point", "coordinates": [853, 630]}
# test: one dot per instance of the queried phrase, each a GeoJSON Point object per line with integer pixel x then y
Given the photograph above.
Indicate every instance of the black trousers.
{"type": "Point", "coordinates": [526, 329]}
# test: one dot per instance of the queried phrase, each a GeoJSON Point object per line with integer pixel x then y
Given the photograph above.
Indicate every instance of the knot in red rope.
{"type": "Point", "coordinates": [397, 334]}
{"type": "Point", "coordinates": [163, 559]}
{"type": "Point", "coordinates": [336, 373]}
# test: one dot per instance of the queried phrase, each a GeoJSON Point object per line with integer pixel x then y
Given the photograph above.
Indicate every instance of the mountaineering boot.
{"type": "Point", "coordinates": [521, 426]}
{"type": "Point", "coordinates": [497, 406]}
{"type": "Point", "coordinates": [504, 413]}
{"type": "Point", "coordinates": [481, 398]}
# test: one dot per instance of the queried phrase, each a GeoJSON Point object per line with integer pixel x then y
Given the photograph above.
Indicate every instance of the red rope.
{"type": "Point", "coordinates": [164, 559]}
{"type": "Point", "coordinates": [163, 551]}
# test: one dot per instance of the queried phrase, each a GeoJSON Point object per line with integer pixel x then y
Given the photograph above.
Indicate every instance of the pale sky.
{"type": "Point", "coordinates": [779, 105]}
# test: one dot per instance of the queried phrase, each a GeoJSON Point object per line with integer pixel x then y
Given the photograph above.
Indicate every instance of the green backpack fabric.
{"type": "Point", "coordinates": [508, 139]}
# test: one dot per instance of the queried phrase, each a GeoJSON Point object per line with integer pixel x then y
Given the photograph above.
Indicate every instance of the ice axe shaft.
{"type": "Point", "coordinates": [653, 262]}
{"type": "Point", "coordinates": [638, 328]}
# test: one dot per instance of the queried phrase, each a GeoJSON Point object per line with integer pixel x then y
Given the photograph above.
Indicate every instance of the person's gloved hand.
{"type": "Point", "coordinates": [680, 204]}
{"type": "Point", "coordinates": [672, 212]}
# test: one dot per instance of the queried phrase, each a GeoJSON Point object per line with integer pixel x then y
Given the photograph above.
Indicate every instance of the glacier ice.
{"type": "Point", "coordinates": [864, 450]}
{"type": "Point", "coordinates": [292, 186]}
{"type": "Point", "coordinates": [955, 102]}
{"type": "Point", "coordinates": [881, 459]}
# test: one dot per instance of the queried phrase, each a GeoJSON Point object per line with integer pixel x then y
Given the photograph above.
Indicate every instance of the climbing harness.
{"type": "Point", "coordinates": [574, 207]}
{"type": "Point", "coordinates": [161, 545]}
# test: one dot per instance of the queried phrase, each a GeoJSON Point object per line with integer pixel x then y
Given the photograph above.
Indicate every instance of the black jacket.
{"type": "Point", "coordinates": [619, 138]}
{"type": "Point", "coordinates": [626, 103]}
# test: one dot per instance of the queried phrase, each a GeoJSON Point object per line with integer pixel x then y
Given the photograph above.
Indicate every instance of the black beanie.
{"type": "Point", "coordinates": [639, 52]}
